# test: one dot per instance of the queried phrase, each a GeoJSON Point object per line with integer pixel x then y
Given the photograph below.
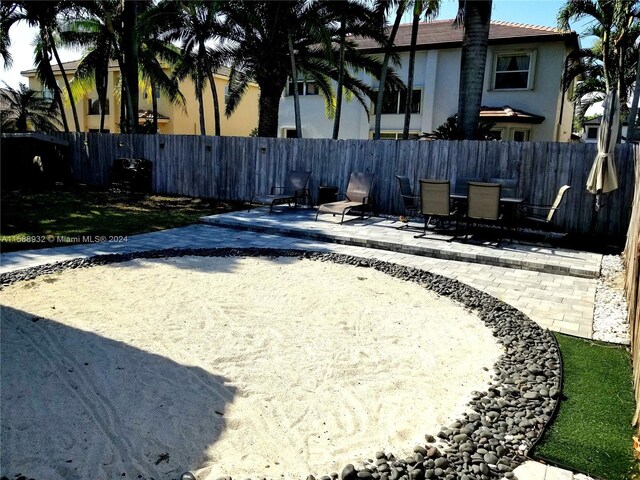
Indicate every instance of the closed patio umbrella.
{"type": "Point", "coordinates": [603, 177]}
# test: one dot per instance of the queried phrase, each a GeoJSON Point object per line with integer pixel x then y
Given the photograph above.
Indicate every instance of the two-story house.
{"type": "Point", "coordinates": [172, 118]}
{"type": "Point", "coordinates": [522, 86]}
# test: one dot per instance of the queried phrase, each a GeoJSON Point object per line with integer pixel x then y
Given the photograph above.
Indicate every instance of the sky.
{"type": "Point", "coordinates": [533, 12]}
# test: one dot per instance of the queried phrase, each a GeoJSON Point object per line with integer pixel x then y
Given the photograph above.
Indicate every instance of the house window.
{"type": "Point", "coordinates": [521, 135]}
{"type": "Point", "coordinates": [304, 88]}
{"type": "Point", "coordinates": [97, 130]}
{"type": "Point", "coordinates": [94, 107]}
{"type": "Point", "coordinates": [592, 133]}
{"type": "Point", "coordinates": [512, 71]}
{"type": "Point", "coordinates": [290, 133]}
{"type": "Point", "coordinates": [395, 102]}
{"type": "Point", "coordinates": [148, 94]}
{"type": "Point", "coordinates": [496, 134]}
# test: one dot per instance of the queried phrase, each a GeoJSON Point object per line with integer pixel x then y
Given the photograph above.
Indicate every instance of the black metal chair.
{"type": "Point", "coordinates": [410, 201]}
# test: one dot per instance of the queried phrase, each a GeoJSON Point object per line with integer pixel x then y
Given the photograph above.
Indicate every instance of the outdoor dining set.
{"type": "Point", "coordinates": [492, 202]}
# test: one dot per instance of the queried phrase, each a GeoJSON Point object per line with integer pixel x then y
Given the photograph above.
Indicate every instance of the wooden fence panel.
{"type": "Point", "coordinates": [632, 283]}
{"type": "Point", "coordinates": [237, 168]}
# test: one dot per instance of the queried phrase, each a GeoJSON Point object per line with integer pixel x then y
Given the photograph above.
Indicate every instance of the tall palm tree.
{"type": "Point", "coordinates": [44, 15]}
{"type": "Point", "coordinates": [475, 16]}
{"type": "Point", "coordinates": [350, 19]}
{"type": "Point", "coordinates": [197, 25]}
{"type": "Point", "coordinates": [428, 8]}
{"type": "Point", "coordinates": [259, 51]}
{"type": "Point", "coordinates": [611, 62]}
{"type": "Point", "coordinates": [9, 15]}
{"type": "Point", "coordinates": [383, 7]}
{"type": "Point", "coordinates": [26, 110]}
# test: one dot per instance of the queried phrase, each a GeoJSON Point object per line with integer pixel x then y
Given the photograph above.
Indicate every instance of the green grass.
{"type": "Point", "coordinates": [592, 431]}
{"type": "Point", "coordinates": [54, 214]}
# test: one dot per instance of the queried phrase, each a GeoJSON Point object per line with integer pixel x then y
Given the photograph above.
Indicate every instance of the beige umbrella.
{"type": "Point", "coordinates": [603, 177]}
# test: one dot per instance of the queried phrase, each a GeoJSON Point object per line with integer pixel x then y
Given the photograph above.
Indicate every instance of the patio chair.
{"type": "Point", "coordinates": [410, 201]}
{"type": "Point", "coordinates": [296, 186]}
{"type": "Point", "coordinates": [358, 196]}
{"type": "Point", "coordinates": [435, 200]}
{"type": "Point", "coordinates": [541, 216]}
{"type": "Point", "coordinates": [483, 204]}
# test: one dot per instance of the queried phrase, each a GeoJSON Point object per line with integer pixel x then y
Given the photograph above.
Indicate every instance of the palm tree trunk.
{"type": "Point", "coordinates": [131, 116]}
{"type": "Point", "coordinates": [130, 48]}
{"type": "Point", "coordinates": [477, 20]}
{"type": "Point", "coordinates": [102, 100]}
{"type": "Point", "coordinates": [269, 106]}
{"type": "Point", "coordinates": [385, 67]}
{"type": "Point", "coordinates": [336, 120]}
{"type": "Point", "coordinates": [296, 95]}
{"type": "Point", "coordinates": [216, 104]}
{"type": "Point", "coordinates": [56, 90]}
{"type": "Point", "coordinates": [199, 88]}
{"type": "Point", "coordinates": [67, 86]}
{"type": "Point", "coordinates": [154, 106]}
{"type": "Point", "coordinates": [412, 64]}
{"type": "Point", "coordinates": [633, 113]}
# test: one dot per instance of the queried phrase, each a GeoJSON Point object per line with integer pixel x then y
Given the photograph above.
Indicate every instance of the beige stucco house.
{"type": "Point", "coordinates": [173, 119]}
{"type": "Point", "coordinates": [522, 86]}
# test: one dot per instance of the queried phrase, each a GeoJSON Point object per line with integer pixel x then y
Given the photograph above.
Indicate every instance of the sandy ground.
{"type": "Point", "coordinates": [239, 366]}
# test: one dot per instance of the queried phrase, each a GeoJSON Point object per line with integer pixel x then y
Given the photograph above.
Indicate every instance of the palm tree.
{"type": "Point", "coordinates": [351, 19]}
{"type": "Point", "coordinates": [476, 17]}
{"type": "Point", "coordinates": [259, 51]}
{"type": "Point", "coordinates": [195, 24]}
{"type": "Point", "coordinates": [44, 14]}
{"type": "Point", "coordinates": [26, 110]}
{"type": "Point", "coordinates": [430, 9]}
{"type": "Point", "coordinates": [8, 16]}
{"type": "Point", "coordinates": [611, 62]}
{"type": "Point", "coordinates": [382, 9]}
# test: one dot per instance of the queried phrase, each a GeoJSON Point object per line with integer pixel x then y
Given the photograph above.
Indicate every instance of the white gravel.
{"type": "Point", "coordinates": [610, 316]}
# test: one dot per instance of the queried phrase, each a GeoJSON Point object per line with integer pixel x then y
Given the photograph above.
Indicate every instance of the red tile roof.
{"type": "Point", "coordinates": [442, 34]}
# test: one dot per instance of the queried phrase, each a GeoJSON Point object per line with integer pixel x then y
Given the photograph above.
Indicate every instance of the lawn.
{"type": "Point", "coordinates": [592, 431]}
{"type": "Point", "coordinates": [59, 217]}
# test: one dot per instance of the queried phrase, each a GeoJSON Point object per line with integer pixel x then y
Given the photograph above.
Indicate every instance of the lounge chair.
{"type": "Point", "coordinates": [358, 196]}
{"type": "Point", "coordinates": [435, 200]}
{"type": "Point", "coordinates": [296, 187]}
{"type": "Point", "coordinates": [541, 216]}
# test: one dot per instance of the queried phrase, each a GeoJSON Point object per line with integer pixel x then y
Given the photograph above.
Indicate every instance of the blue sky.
{"type": "Point", "coordinates": [534, 12]}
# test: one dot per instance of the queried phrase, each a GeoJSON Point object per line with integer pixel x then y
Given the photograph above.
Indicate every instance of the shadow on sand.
{"type": "Point", "coordinates": [77, 405]}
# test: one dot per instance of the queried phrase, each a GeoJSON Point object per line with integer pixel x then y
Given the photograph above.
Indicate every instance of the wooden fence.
{"type": "Point", "coordinates": [632, 289]}
{"type": "Point", "coordinates": [236, 168]}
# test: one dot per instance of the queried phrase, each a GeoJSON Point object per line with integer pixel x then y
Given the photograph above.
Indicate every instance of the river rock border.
{"type": "Point", "coordinates": [502, 423]}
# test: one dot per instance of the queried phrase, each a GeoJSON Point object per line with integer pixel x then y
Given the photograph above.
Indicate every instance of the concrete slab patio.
{"type": "Point", "coordinates": [562, 302]}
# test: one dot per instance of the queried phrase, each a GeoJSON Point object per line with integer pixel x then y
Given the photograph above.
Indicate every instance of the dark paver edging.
{"type": "Point", "coordinates": [490, 258]}
{"type": "Point", "coordinates": [502, 423]}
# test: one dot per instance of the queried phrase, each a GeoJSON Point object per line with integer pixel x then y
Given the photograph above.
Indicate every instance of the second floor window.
{"type": "Point", "coordinates": [395, 102]}
{"type": "Point", "coordinates": [304, 88]}
{"type": "Point", "coordinates": [512, 71]}
{"type": "Point", "coordinates": [94, 107]}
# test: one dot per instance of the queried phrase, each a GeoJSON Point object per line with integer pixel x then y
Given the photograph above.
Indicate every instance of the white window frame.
{"type": "Point", "coordinates": [589, 128]}
{"type": "Point", "coordinates": [526, 131]}
{"type": "Point", "coordinates": [304, 88]}
{"type": "Point", "coordinates": [508, 53]}
{"type": "Point", "coordinates": [397, 133]}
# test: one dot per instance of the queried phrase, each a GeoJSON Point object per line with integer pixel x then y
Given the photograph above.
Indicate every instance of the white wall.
{"type": "Point", "coordinates": [437, 73]}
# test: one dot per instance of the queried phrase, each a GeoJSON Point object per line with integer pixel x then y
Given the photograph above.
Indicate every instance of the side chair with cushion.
{"type": "Point", "coordinates": [435, 200]}
{"type": "Point", "coordinates": [410, 201]}
{"type": "Point", "coordinates": [358, 196]}
{"type": "Point", "coordinates": [541, 216]}
{"type": "Point", "coordinates": [483, 204]}
{"type": "Point", "coordinates": [296, 187]}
